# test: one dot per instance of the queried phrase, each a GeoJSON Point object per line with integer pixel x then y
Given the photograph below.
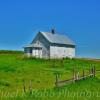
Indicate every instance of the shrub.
{"type": "Point", "coordinates": [10, 52]}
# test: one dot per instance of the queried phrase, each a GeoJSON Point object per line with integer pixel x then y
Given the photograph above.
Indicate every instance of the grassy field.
{"type": "Point", "coordinates": [14, 68]}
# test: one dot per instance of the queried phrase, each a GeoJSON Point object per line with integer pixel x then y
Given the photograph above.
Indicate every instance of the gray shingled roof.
{"type": "Point", "coordinates": [57, 38]}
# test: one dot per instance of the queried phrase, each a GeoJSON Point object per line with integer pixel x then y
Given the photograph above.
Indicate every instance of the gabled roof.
{"type": "Point", "coordinates": [53, 38]}
{"type": "Point", "coordinates": [57, 38]}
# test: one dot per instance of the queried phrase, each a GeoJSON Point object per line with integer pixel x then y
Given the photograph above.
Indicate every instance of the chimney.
{"type": "Point", "coordinates": [53, 31]}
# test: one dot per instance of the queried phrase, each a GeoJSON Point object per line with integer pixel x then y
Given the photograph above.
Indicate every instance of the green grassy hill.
{"type": "Point", "coordinates": [14, 68]}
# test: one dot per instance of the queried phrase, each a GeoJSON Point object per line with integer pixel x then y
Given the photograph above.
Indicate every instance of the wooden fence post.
{"type": "Point", "coordinates": [83, 74]}
{"type": "Point", "coordinates": [74, 75]}
{"type": "Point", "coordinates": [94, 71]}
{"type": "Point", "coordinates": [90, 72]}
{"type": "Point", "coordinates": [77, 78]}
{"type": "Point", "coordinates": [24, 88]}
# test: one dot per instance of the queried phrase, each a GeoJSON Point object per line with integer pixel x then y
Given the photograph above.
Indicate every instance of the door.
{"type": "Point", "coordinates": [30, 51]}
{"type": "Point", "coordinates": [37, 52]}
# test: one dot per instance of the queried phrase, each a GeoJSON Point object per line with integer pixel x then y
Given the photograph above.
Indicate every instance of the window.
{"type": "Point", "coordinates": [30, 50]}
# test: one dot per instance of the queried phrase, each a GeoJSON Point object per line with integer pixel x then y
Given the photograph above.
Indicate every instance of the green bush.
{"type": "Point", "coordinates": [10, 52]}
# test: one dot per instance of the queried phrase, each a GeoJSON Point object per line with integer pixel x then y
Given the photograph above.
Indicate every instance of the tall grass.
{"type": "Point", "coordinates": [14, 68]}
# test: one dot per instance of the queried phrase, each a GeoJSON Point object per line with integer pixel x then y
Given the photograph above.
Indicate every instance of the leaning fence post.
{"type": "Point", "coordinates": [90, 72]}
{"type": "Point", "coordinates": [83, 73]}
{"type": "Point", "coordinates": [94, 71]}
{"type": "Point", "coordinates": [74, 75]}
{"type": "Point", "coordinates": [24, 88]}
{"type": "Point", "coordinates": [77, 75]}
